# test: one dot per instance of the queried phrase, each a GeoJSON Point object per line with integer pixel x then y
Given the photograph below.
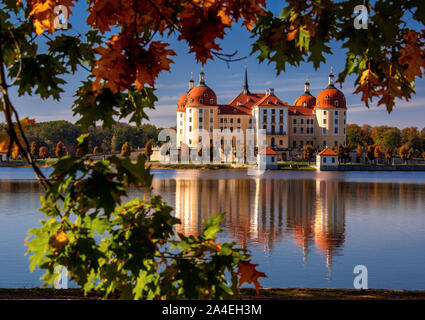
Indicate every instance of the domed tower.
{"type": "Point", "coordinates": [199, 109]}
{"type": "Point", "coordinates": [331, 115]}
{"type": "Point", "coordinates": [306, 100]}
{"type": "Point", "coordinates": [181, 113]}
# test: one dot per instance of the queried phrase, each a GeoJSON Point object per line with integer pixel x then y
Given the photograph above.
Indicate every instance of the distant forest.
{"type": "Point", "coordinates": [387, 137]}
{"type": "Point", "coordinates": [48, 134]}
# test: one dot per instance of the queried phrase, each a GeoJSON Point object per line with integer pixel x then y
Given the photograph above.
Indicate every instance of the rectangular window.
{"type": "Point", "coordinates": [190, 119]}
{"type": "Point", "coordinates": [273, 111]}
{"type": "Point", "coordinates": [302, 130]}
{"type": "Point", "coordinates": [336, 121]}
{"type": "Point", "coordinates": [221, 120]}
{"type": "Point", "coordinates": [294, 144]}
{"type": "Point", "coordinates": [295, 130]}
{"type": "Point", "coordinates": [239, 120]}
{"type": "Point", "coordinates": [295, 121]}
{"type": "Point", "coordinates": [273, 131]}
{"type": "Point", "coordinates": [281, 129]}
{"type": "Point", "coordinates": [336, 113]}
{"type": "Point", "coordinates": [280, 111]}
{"type": "Point", "coordinates": [200, 119]}
{"type": "Point", "coordinates": [281, 142]}
{"type": "Point", "coordinates": [281, 119]}
{"type": "Point", "coordinates": [333, 160]}
{"type": "Point", "coordinates": [302, 121]}
{"type": "Point", "coordinates": [264, 119]}
{"type": "Point", "coordinates": [273, 119]}
{"type": "Point", "coordinates": [324, 159]}
{"type": "Point", "coordinates": [231, 120]}
{"type": "Point", "coordinates": [336, 130]}
{"type": "Point", "coordinates": [201, 110]}
{"type": "Point", "coordinates": [324, 112]}
{"type": "Point", "coordinates": [324, 121]}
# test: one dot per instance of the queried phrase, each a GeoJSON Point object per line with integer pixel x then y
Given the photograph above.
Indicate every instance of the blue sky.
{"type": "Point", "coordinates": [227, 83]}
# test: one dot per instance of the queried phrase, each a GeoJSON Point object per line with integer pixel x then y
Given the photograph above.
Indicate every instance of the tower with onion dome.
{"type": "Point", "coordinates": [196, 110]}
{"type": "Point", "coordinates": [331, 115]}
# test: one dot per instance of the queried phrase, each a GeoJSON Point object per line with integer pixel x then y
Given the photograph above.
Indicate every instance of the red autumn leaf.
{"type": "Point", "coordinates": [249, 274]}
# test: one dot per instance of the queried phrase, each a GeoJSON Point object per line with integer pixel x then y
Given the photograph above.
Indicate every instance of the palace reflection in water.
{"type": "Point", "coordinates": [264, 211]}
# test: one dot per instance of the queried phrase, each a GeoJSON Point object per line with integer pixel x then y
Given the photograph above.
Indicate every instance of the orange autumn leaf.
{"type": "Point", "coordinates": [58, 240]}
{"type": "Point", "coordinates": [120, 72]}
{"type": "Point", "coordinates": [249, 274]}
{"type": "Point", "coordinates": [43, 13]}
{"type": "Point", "coordinates": [413, 55]}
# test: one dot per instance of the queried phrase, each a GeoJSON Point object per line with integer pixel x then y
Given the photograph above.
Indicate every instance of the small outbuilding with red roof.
{"type": "Point", "coordinates": [326, 157]}
{"type": "Point", "coordinates": [267, 159]}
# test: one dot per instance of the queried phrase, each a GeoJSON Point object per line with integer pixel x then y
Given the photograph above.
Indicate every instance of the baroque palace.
{"type": "Point", "coordinates": [319, 122]}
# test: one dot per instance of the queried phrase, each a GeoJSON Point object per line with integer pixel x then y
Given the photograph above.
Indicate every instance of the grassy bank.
{"type": "Point", "coordinates": [265, 294]}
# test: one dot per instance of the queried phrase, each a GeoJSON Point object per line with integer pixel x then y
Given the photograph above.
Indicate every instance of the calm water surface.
{"type": "Point", "coordinates": [303, 228]}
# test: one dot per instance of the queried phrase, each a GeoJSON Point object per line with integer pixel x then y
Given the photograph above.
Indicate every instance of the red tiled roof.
{"type": "Point", "coordinates": [306, 98]}
{"type": "Point", "coordinates": [248, 100]}
{"type": "Point", "coordinates": [327, 97]}
{"type": "Point", "coordinates": [230, 109]}
{"type": "Point", "coordinates": [270, 100]}
{"type": "Point", "coordinates": [268, 151]}
{"type": "Point", "coordinates": [327, 152]}
{"type": "Point", "coordinates": [300, 111]}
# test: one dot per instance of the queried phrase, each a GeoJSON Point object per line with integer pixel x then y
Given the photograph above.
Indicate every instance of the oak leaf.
{"type": "Point", "coordinates": [249, 274]}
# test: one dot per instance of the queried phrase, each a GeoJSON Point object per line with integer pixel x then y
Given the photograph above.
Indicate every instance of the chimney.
{"type": "Point", "coordinates": [271, 91]}
{"type": "Point", "coordinates": [267, 91]}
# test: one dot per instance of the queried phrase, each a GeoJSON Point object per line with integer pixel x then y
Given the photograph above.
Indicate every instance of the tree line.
{"type": "Point", "coordinates": [58, 138]}
{"type": "Point", "coordinates": [385, 141]}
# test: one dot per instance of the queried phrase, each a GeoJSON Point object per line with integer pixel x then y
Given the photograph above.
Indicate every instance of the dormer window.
{"type": "Point", "coordinates": [336, 103]}
{"type": "Point", "coordinates": [201, 100]}
{"type": "Point", "coordinates": [206, 95]}
{"type": "Point", "coordinates": [326, 97]}
{"type": "Point", "coordinates": [191, 100]}
{"type": "Point", "coordinates": [305, 104]}
{"type": "Point", "coordinates": [317, 102]}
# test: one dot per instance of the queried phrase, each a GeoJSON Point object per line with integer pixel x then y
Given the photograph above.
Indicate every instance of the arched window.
{"type": "Point", "coordinates": [336, 103]}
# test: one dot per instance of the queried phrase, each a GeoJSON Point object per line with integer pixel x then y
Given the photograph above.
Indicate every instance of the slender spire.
{"type": "Point", "coordinates": [245, 86]}
{"type": "Point", "coordinates": [331, 78]}
{"type": "Point", "coordinates": [201, 77]}
{"type": "Point", "coordinates": [307, 85]}
{"type": "Point", "coordinates": [191, 82]}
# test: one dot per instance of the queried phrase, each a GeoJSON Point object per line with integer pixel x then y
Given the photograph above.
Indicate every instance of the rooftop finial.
{"type": "Point", "coordinates": [202, 77]}
{"type": "Point", "coordinates": [331, 77]}
{"type": "Point", "coordinates": [245, 86]}
{"type": "Point", "coordinates": [307, 85]}
{"type": "Point", "coordinates": [191, 82]}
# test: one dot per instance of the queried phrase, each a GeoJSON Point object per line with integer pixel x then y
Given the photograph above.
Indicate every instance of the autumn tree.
{"type": "Point", "coordinates": [405, 153]}
{"type": "Point", "coordinates": [126, 149]}
{"type": "Point", "coordinates": [96, 150]}
{"type": "Point", "coordinates": [340, 152]}
{"type": "Point", "coordinates": [379, 152]}
{"type": "Point", "coordinates": [43, 152]}
{"type": "Point", "coordinates": [34, 148]}
{"type": "Point", "coordinates": [359, 153]}
{"type": "Point", "coordinates": [60, 150]}
{"type": "Point", "coordinates": [389, 154]}
{"type": "Point", "coordinates": [370, 154]}
{"type": "Point", "coordinates": [308, 153]}
{"type": "Point", "coordinates": [148, 150]}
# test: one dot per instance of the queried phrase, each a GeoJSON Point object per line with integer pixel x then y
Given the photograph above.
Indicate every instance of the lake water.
{"type": "Point", "coordinates": [304, 229]}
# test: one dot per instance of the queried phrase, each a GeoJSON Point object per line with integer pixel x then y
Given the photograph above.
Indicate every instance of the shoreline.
{"type": "Point", "coordinates": [246, 294]}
